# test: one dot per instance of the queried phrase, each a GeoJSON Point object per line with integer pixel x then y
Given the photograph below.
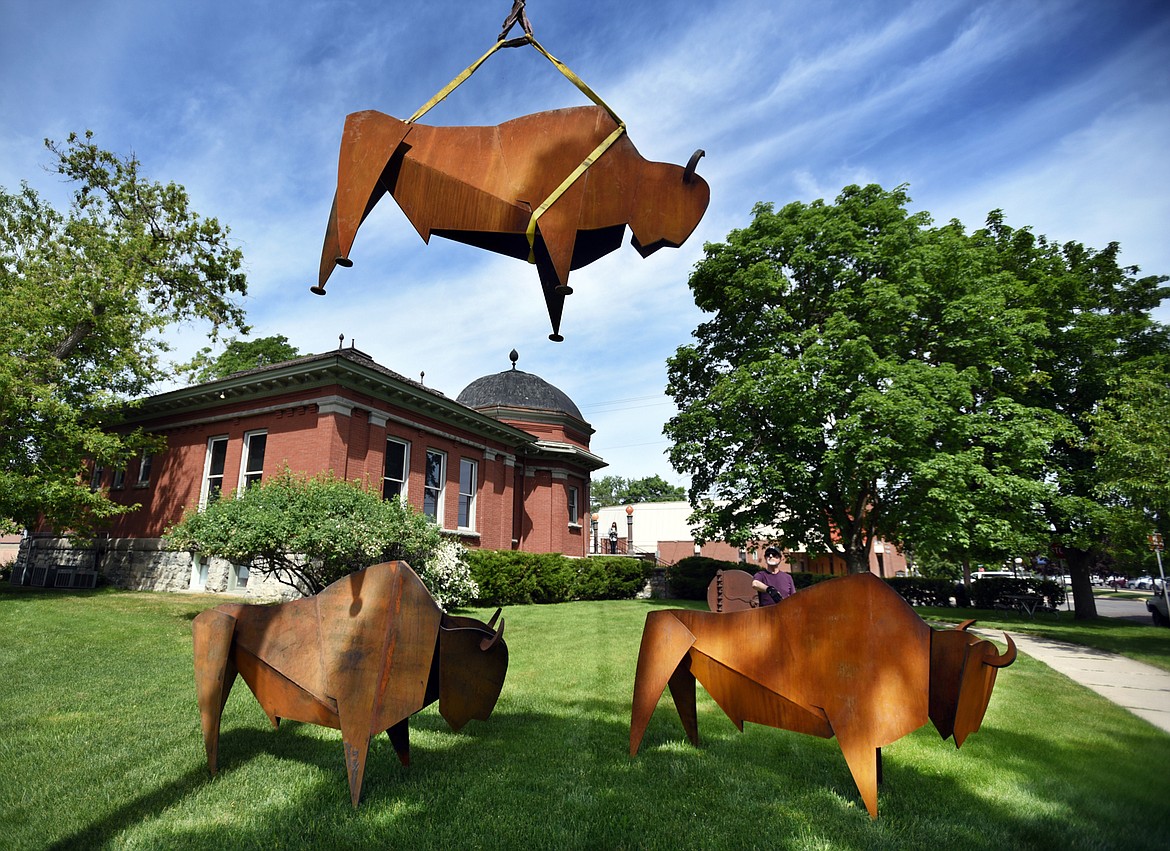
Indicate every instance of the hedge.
{"type": "Point", "coordinates": [993, 592]}
{"type": "Point", "coordinates": [804, 580]}
{"type": "Point", "coordinates": [688, 578]}
{"type": "Point", "coordinates": [509, 578]}
{"type": "Point", "coordinates": [921, 591]}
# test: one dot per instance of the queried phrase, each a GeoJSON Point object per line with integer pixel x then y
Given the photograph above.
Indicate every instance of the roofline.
{"type": "Point", "coordinates": [348, 367]}
{"type": "Point", "coordinates": [550, 449]}
{"type": "Point", "coordinates": [536, 415]}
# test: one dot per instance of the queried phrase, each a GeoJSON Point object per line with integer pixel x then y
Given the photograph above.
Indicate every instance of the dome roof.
{"type": "Point", "coordinates": [515, 389]}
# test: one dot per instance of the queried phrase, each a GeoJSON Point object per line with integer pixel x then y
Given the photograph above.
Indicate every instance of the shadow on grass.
{"type": "Point", "coordinates": [238, 747]}
{"type": "Point", "coordinates": [560, 776]}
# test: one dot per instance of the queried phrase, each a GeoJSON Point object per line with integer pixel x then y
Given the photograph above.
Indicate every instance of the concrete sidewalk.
{"type": "Point", "coordinates": [1142, 689]}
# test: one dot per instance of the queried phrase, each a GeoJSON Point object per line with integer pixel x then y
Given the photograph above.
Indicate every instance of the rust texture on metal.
{"type": "Point", "coordinates": [846, 658]}
{"type": "Point", "coordinates": [480, 186]}
{"type": "Point", "coordinates": [732, 591]}
{"type": "Point", "coordinates": [362, 656]}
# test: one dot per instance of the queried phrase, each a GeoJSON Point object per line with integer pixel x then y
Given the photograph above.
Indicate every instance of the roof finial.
{"type": "Point", "coordinates": [513, 356]}
{"type": "Point", "coordinates": [340, 341]}
{"type": "Point", "coordinates": [422, 377]}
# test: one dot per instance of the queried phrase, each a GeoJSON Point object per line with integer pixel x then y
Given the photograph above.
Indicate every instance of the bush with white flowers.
{"type": "Point", "coordinates": [448, 576]}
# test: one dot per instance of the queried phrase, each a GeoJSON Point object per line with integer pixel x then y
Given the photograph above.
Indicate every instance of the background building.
{"type": "Point", "coordinates": [504, 466]}
{"type": "Point", "coordinates": [662, 529]}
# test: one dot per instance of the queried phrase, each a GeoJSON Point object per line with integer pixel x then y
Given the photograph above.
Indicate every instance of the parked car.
{"type": "Point", "coordinates": [1141, 583]}
{"type": "Point", "coordinates": [1157, 608]}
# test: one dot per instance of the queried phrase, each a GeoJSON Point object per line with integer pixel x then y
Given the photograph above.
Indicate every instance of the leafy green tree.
{"type": "Point", "coordinates": [311, 531]}
{"type": "Point", "coordinates": [1099, 328]}
{"type": "Point", "coordinates": [855, 381]}
{"type": "Point", "coordinates": [1131, 430]}
{"type": "Point", "coordinates": [84, 297]}
{"type": "Point", "coordinates": [1131, 433]}
{"type": "Point", "coordinates": [237, 356]}
{"type": "Point", "coordinates": [615, 490]}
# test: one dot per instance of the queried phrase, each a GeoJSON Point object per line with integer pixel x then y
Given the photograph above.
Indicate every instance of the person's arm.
{"type": "Point", "coordinates": [765, 588]}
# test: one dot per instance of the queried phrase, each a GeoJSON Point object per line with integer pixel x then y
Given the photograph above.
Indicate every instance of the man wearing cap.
{"type": "Point", "coordinates": [772, 584]}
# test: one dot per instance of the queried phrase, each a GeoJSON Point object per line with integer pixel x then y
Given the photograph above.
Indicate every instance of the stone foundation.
{"type": "Point", "coordinates": [659, 587]}
{"type": "Point", "coordinates": [137, 564]}
{"type": "Point", "coordinates": [656, 587]}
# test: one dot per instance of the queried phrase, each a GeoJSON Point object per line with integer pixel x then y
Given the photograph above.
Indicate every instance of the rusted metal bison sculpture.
{"type": "Point", "coordinates": [482, 185]}
{"type": "Point", "coordinates": [362, 656]}
{"type": "Point", "coordinates": [846, 658]}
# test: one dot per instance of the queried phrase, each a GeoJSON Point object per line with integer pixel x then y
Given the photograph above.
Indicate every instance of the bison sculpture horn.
{"type": "Point", "coordinates": [846, 658]}
{"type": "Point", "coordinates": [481, 186]}
{"type": "Point", "coordinates": [362, 656]}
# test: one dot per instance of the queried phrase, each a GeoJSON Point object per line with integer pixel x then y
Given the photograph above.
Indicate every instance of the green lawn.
{"type": "Point", "coordinates": [101, 748]}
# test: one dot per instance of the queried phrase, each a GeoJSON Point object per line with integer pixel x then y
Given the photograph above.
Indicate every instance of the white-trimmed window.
{"type": "Point", "coordinates": [434, 480]}
{"type": "Point", "coordinates": [95, 480]}
{"type": "Point", "coordinates": [468, 474]}
{"type": "Point", "coordinates": [144, 470]}
{"type": "Point", "coordinates": [396, 468]}
{"type": "Point", "coordinates": [574, 516]}
{"type": "Point", "coordinates": [119, 479]}
{"type": "Point", "coordinates": [238, 577]}
{"type": "Point", "coordinates": [213, 469]}
{"type": "Point", "coordinates": [199, 565]}
{"type": "Point", "coordinates": [252, 462]}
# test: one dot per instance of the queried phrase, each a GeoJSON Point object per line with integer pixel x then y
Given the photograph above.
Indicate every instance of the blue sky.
{"type": "Point", "coordinates": [1056, 111]}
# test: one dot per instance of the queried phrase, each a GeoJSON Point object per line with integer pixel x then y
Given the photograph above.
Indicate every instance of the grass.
{"type": "Point", "coordinates": [1119, 594]}
{"type": "Point", "coordinates": [101, 748]}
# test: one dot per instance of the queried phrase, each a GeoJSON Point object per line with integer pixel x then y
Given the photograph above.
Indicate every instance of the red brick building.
{"type": "Point", "coordinates": [506, 465]}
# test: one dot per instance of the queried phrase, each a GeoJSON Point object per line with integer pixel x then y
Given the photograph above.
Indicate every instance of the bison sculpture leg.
{"type": "Point", "coordinates": [215, 672]}
{"type": "Point", "coordinates": [662, 661]}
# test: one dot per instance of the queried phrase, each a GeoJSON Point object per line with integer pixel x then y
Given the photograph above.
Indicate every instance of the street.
{"type": "Point", "coordinates": [1131, 609]}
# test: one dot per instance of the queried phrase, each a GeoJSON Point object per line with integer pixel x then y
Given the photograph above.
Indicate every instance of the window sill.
{"type": "Point", "coordinates": [462, 533]}
{"type": "Point", "coordinates": [574, 525]}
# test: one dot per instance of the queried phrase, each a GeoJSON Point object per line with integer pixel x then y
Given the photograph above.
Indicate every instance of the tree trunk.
{"type": "Point", "coordinates": [857, 559]}
{"type": "Point", "coordinates": [1084, 604]}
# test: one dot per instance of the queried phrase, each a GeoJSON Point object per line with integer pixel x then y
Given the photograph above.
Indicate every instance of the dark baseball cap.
{"type": "Point", "coordinates": [771, 551]}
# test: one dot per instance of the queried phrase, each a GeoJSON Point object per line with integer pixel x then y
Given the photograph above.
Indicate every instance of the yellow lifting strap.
{"type": "Point", "coordinates": [528, 38]}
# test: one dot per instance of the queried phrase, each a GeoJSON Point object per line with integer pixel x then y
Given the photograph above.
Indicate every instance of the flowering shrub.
{"type": "Point", "coordinates": [448, 576]}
